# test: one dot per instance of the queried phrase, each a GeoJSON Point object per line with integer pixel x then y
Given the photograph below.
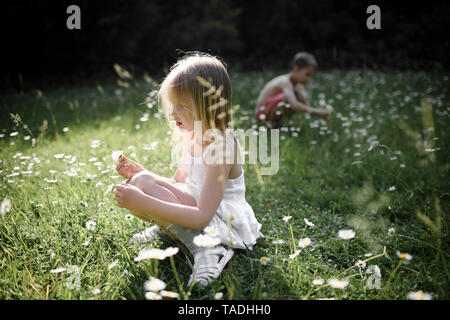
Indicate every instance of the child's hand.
{"type": "Point", "coordinates": [322, 113]}
{"type": "Point", "coordinates": [127, 168]}
{"type": "Point", "coordinates": [128, 196]}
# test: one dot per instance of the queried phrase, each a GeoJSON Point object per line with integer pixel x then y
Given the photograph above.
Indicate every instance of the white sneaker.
{"type": "Point", "coordinates": [148, 235]}
{"type": "Point", "coordinates": [209, 263]}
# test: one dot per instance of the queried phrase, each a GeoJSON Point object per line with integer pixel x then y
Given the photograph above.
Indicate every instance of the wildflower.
{"type": "Point", "coordinates": [392, 188]}
{"type": "Point", "coordinates": [264, 260]}
{"type": "Point", "coordinates": [169, 294]}
{"type": "Point", "coordinates": [152, 296]}
{"type": "Point", "coordinates": [151, 254]}
{"type": "Point", "coordinates": [154, 284]}
{"type": "Point", "coordinates": [296, 253]}
{"type": "Point", "coordinates": [59, 155]}
{"type": "Point", "coordinates": [391, 231]}
{"type": "Point", "coordinates": [303, 243]}
{"type": "Point", "coordinates": [91, 224]}
{"type": "Point", "coordinates": [129, 216]}
{"type": "Point", "coordinates": [360, 264]}
{"type": "Point", "coordinates": [204, 240]}
{"type": "Point", "coordinates": [337, 284]}
{"type": "Point", "coordinates": [113, 264]}
{"type": "Point", "coordinates": [211, 231]}
{"type": "Point", "coordinates": [65, 129]}
{"type": "Point", "coordinates": [280, 241]}
{"type": "Point", "coordinates": [286, 218]}
{"type": "Point", "coordinates": [58, 270]}
{"type": "Point", "coordinates": [404, 256]}
{"type": "Point", "coordinates": [308, 223]}
{"type": "Point", "coordinates": [116, 154]}
{"type": "Point", "coordinates": [5, 206]}
{"type": "Point", "coordinates": [318, 282]}
{"type": "Point", "coordinates": [171, 251]}
{"type": "Point", "coordinates": [95, 144]}
{"type": "Point", "coordinates": [96, 291]}
{"type": "Point", "coordinates": [419, 295]}
{"type": "Point", "coordinates": [346, 234]}
{"type": "Point", "coordinates": [218, 296]}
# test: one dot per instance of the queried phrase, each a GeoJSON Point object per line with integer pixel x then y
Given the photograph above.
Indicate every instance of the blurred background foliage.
{"type": "Point", "coordinates": [149, 35]}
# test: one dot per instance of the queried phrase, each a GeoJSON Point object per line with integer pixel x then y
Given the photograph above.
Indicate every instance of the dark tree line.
{"type": "Point", "coordinates": [144, 35]}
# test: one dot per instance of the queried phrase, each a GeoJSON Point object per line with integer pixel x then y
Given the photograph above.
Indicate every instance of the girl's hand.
{"type": "Point", "coordinates": [128, 196]}
{"type": "Point", "coordinates": [128, 168]}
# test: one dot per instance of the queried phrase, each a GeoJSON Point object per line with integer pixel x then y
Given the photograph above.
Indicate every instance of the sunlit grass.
{"type": "Point", "coordinates": [379, 167]}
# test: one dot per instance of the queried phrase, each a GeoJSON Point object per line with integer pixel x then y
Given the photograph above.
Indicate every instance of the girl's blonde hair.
{"type": "Point", "coordinates": [200, 81]}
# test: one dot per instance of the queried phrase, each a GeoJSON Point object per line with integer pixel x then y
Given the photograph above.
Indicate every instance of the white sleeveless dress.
{"type": "Point", "coordinates": [234, 221]}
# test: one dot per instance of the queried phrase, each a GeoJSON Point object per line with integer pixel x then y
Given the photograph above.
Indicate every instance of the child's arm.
{"type": "Point", "coordinates": [186, 216]}
{"type": "Point", "coordinates": [300, 106]}
{"type": "Point", "coordinates": [299, 90]}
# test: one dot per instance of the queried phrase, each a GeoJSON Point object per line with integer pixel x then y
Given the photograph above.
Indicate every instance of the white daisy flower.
{"type": "Point", "coordinates": [91, 224]}
{"type": "Point", "coordinates": [286, 218]}
{"type": "Point", "coordinates": [264, 260]}
{"type": "Point", "coordinates": [337, 284]}
{"type": "Point", "coordinates": [96, 291]}
{"type": "Point", "coordinates": [95, 144]}
{"type": "Point", "coordinates": [59, 155]}
{"type": "Point", "coordinates": [58, 270]}
{"type": "Point", "coordinates": [116, 154]}
{"type": "Point", "coordinates": [154, 284]}
{"type": "Point", "coordinates": [204, 240]}
{"type": "Point", "coordinates": [5, 206]}
{"type": "Point", "coordinates": [152, 296]}
{"type": "Point", "coordinates": [296, 253]}
{"type": "Point", "coordinates": [113, 264]}
{"type": "Point", "coordinates": [346, 234]}
{"type": "Point", "coordinates": [391, 188]}
{"type": "Point", "coordinates": [391, 231]}
{"type": "Point", "coordinates": [419, 295]}
{"type": "Point", "coordinates": [152, 253]}
{"type": "Point", "coordinates": [318, 282]}
{"type": "Point", "coordinates": [308, 223]}
{"type": "Point", "coordinates": [404, 256]}
{"type": "Point", "coordinates": [171, 251]}
{"type": "Point", "coordinates": [303, 243]}
{"type": "Point", "coordinates": [360, 264]}
{"type": "Point", "coordinates": [280, 241]}
{"type": "Point", "coordinates": [218, 296]}
{"type": "Point", "coordinates": [169, 294]}
{"type": "Point", "coordinates": [211, 231]}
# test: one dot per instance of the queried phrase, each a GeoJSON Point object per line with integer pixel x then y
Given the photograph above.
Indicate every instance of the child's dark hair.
{"type": "Point", "coordinates": [304, 59]}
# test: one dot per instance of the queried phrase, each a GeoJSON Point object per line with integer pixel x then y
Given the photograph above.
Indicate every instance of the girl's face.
{"type": "Point", "coordinates": [184, 117]}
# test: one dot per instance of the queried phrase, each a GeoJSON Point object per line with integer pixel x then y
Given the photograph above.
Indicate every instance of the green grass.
{"type": "Point", "coordinates": [327, 174]}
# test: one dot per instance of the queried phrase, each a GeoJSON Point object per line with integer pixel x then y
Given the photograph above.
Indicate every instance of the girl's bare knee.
{"type": "Point", "coordinates": [142, 179]}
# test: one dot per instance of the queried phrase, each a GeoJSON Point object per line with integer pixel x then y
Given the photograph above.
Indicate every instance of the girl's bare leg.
{"type": "Point", "coordinates": [154, 185]}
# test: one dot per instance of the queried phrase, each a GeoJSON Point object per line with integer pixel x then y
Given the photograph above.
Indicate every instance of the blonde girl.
{"type": "Point", "coordinates": [206, 195]}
